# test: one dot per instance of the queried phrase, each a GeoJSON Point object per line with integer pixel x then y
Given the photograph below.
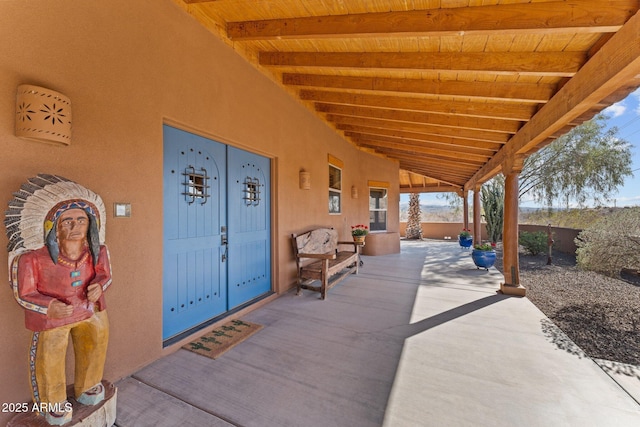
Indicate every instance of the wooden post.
{"type": "Point", "coordinates": [477, 221]}
{"type": "Point", "coordinates": [465, 210]}
{"type": "Point", "coordinates": [510, 260]}
{"type": "Point", "coordinates": [549, 243]}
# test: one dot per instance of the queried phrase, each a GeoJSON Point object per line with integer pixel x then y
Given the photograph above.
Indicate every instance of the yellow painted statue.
{"type": "Point", "coordinates": [59, 269]}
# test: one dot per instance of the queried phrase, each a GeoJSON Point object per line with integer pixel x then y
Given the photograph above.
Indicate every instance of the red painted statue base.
{"type": "Point", "coordinates": [100, 415]}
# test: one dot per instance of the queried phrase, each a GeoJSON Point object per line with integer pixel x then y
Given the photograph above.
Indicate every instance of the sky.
{"type": "Point", "coordinates": [625, 115]}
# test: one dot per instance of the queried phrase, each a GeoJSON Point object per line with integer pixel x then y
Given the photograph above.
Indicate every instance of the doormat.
{"type": "Point", "coordinates": [217, 342]}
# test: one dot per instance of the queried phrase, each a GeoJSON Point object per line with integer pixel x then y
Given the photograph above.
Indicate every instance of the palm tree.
{"type": "Point", "coordinates": [414, 229]}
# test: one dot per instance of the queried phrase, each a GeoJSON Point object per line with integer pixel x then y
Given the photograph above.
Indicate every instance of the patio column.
{"type": "Point", "coordinates": [465, 209]}
{"type": "Point", "coordinates": [477, 218]}
{"type": "Point", "coordinates": [511, 267]}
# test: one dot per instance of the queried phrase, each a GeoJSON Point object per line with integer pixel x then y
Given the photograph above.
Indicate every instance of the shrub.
{"type": "Point", "coordinates": [611, 244]}
{"type": "Point", "coordinates": [483, 247]}
{"type": "Point", "coordinates": [534, 243]}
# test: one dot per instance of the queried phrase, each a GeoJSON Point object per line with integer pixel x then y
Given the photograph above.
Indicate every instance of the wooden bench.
{"type": "Point", "coordinates": [318, 258]}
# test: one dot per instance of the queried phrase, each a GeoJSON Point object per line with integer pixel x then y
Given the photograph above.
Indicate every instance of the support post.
{"type": "Point", "coordinates": [510, 259]}
{"type": "Point", "coordinates": [465, 210]}
{"type": "Point", "coordinates": [549, 243]}
{"type": "Point", "coordinates": [477, 221]}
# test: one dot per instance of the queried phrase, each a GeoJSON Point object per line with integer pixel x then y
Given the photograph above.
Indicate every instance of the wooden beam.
{"type": "Point", "coordinates": [492, 125]}
{"type": "Point", "coordinates": [615, 64]}
{"type": "Point", "coordinates": [572, 16]}
{"type": "Point", "coordinates": [430, 189]}
{"type": "Point", "coordinates": [476, 135]}
{"type": "Point", "coordinates": [390, 143]}
{"type": "Point", "coordinates": [562, 64]}
{"type": "Point", "coordinates": [441, 163]}
{"type": "Point", "coordinates": [503, 91]}
{"type": "Point", "coordinates": [452, 180]}
{"type": "Point", "coordinates": [512, 111]}
{"type": "Point", "coordinates": [421, 143]}
{"type": "Point", "coordinates": [447, 141]}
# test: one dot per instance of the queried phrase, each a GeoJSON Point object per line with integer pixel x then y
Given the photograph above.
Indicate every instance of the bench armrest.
{"type": "Point", "coordinates": [351, 242]}
{"type": "Point", "coordinates": [319, 256]}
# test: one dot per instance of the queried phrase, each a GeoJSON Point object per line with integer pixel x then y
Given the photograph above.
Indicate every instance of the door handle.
{"type": "Point", "coordinates": [224, 242]}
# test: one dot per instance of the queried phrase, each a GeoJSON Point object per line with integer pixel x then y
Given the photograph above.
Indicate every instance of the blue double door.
{"type": "Point", "coordinates": [217, 243]}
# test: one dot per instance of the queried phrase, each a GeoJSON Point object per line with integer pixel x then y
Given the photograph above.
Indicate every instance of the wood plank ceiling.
{"type": "Point", "coordinates": [451, 89]}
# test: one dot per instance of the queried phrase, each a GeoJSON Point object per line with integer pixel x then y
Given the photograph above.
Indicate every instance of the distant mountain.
{"type": "Point", "coordinates": [431, 213]}
{"type": "Point", "coordinates": [445, 213]}
{"type": "Point", "coordinates": [569, 218]}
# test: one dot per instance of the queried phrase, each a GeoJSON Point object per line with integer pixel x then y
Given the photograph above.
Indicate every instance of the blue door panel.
{"type": "Point", "coordinates": [248, 200]}
{"type": "Point", "coordinates": [193, 216]}
{"type": "Point", "coordinates": [202, 277]}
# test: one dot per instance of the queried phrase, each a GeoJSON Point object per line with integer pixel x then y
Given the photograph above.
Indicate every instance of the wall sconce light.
{"type": "Point", "coordinates": [305, 180]}
{"type": "Point", "coordinates": [43, 115]}
{"type": "Point", "coordinates": [354, 192]}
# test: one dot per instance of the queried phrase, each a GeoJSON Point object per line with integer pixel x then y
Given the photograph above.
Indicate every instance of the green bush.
{"type": "Point", "coordinates": [534, 243]}
{"type": "Point", "coordinates": [611, 244]}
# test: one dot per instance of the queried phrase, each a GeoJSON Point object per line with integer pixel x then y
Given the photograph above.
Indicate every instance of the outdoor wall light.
{"type": "Point", "coordinates": [305, 180]}
{"type": "Point", "coordinates": [43, 115]}
{"type": "Point", "coordinates": [354, 192]}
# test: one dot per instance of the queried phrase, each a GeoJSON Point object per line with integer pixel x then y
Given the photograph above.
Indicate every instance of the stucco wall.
{"type": "Point", "coordinates": [129, 67]}
{"type": "Point", "coordinates": [564, 238]}
{"type": "Point", "coordinates": [442, 230]}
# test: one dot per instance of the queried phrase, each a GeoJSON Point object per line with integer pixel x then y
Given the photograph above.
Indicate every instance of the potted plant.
{"type": "Point", "coordinates": [359, 232]}
{"type": "Point", "coordinates": [484, 256]}
{"type": "Point", "coordinates": [464, 238]}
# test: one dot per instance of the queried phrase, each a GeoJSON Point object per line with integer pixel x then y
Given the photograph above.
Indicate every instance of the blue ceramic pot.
{"type": "Point", "coordinates": [465, 242]}
{"type": "Point", "coordinates": [483, 259]}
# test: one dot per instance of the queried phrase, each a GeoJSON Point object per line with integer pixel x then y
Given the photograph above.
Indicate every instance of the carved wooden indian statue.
{"type": "Point", "coordinates": [59, 269]}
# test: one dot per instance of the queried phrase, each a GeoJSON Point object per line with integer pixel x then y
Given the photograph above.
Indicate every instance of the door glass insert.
{"type": "Point", "coordinates": [251, 191]}
{"type": "Point", "coordinates": [196, 184]}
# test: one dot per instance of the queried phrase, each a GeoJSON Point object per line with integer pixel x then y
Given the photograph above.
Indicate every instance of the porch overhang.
{"type": "Point", "coordinates": [450, 90]}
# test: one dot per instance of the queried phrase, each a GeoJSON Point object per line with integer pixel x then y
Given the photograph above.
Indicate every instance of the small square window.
{"type": "Point", "coordinates": [251, 191]}
{"type": "Point", "coordinates": [196, 185]}
{"type": "Point", "coordinates": [335, 189]}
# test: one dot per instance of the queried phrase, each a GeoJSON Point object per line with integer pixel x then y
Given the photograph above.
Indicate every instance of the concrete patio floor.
{"type": "Point", "coordinates": [419, 338]}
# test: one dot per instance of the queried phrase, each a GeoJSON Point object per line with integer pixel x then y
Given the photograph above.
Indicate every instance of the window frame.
{"type": "Point", "coordinates": [373, 210]}
{"type": "Point", "coordinates": [335, 191]}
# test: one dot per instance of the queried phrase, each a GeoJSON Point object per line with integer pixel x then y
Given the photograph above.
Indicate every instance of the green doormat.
{"type": "Point", "coordinates": [215, 343]}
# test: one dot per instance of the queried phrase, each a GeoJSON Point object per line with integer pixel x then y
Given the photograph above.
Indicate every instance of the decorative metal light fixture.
{"type": "Point", "coordinates": [43, 115]}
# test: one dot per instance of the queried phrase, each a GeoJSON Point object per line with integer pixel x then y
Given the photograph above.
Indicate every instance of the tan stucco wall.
{"type": "Point", "coordinates": [564, 238]}
{"type": "Point", "coordinates": [442, 230]}
{"type": "Point", "coordinates": [128, 67]}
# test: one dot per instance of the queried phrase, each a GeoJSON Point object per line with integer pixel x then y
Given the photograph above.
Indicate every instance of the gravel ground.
{"type": "Point", "coordinates": [598, 313]}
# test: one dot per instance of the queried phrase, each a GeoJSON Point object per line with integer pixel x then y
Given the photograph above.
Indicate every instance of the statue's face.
{"type": "Point", "coordinates": [72, 225]}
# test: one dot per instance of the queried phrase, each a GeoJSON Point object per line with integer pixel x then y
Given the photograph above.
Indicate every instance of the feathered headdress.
{"type": "Point", "coordinates": [35, 207]}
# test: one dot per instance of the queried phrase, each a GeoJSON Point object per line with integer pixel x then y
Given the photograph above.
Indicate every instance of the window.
{"type": "Point", "coordinates": [335, 189]}
{"type": "Point", "coordinates": [196, 184]}
{"type": "Point", "coordinates": [377, 209]}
